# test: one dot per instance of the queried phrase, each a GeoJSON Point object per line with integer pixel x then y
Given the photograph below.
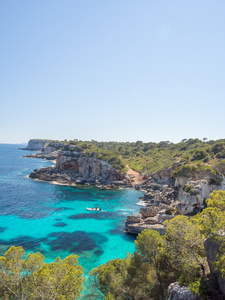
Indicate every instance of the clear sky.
{"type": "Point", "coordinates": [120, 70]}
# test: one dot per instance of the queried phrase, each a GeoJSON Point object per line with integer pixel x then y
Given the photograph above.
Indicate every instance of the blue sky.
{"type": "Point", "coordinates": [122, 70]}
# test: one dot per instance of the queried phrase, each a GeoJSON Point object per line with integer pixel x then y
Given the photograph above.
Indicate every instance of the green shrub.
{"type": "Point", "coordinates": [188, 188]}
{"type": "Point", "coordinates": [216, 179]}
{"type": "Point", "coordinates": [170, 210]}
{"type": "Point", "coordinates": [206, 159]}
{"type": "Point", "coordinates": [220, 154]}
{"type": "Point", "coordinates": [218, 147]}
{"type": "Point", "coordinates": [199, 154]}
{"type": "Point", "coordinates": [185, 171]}
{"type": "Point", "coordinates": [196, 171]}
{"type": "Point", "coordinates": [186, 157]}
{"type": "Point", "coordinates": [220, 166]}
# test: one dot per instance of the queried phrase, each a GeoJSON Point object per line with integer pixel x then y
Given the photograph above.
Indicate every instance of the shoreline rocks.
{"type": "Point", "coordinates": [166, 198]}
{"type": "Point", "coordinates": [74, 168]}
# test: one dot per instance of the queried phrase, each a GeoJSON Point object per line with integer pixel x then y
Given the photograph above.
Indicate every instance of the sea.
{"type": "Point", "coordinates": [53, 219]}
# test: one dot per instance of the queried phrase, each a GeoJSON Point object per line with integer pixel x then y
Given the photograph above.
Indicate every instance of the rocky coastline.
{"type": "Point", "coordinates": [164, 197]}
{"type": "Point", "coordinates": [73, 168]}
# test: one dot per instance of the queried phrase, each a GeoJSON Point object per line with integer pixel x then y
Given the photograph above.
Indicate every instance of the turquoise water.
{"type": "Point", "coordinates": [53, 219]}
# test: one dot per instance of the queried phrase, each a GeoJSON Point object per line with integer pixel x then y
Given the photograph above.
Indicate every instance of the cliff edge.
{"type": "Point", "coordinates": [36, 145]}
{"type": "Point", "coordinates": [75, 168]}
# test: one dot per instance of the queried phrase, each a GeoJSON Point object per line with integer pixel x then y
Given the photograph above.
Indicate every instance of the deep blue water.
{"type": "Point", "coordinates": [53, 219]}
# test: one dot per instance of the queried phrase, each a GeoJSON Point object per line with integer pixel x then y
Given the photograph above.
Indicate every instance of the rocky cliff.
{"type": "Point", "coordinates": [166, 197]}
{"type": "Point", "coordinates": [178, 292]}
{"type": "Point", "coordinates": [73, 167]}
{"type": "Point", "coordinates": [36, 145]}
{"type": "Point", "coordinates": [50, 150]}
{"type": "Point", "coordinates": [212, 249]}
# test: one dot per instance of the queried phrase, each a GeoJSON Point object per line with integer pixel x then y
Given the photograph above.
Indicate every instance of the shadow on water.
{"type": "Point", "coordinates": [97, 215]}
{"type": "Point", "coordinates": [75, 242]}
{"type": "Point", "coordinates": [120, 230]}
{"type": "Point", "coordinates": [27, 242]}
{"type": "Point", "coordinates": [60, 224]}
{"type": "Point", "coordinates": [82, 193]}
{"type": "Point", "coordinates": [2, 229]}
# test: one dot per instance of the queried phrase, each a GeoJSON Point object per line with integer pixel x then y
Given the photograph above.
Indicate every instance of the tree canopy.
{"type": "Point", "coordinates": [151, 157]}
{"type": "Point", "coordinates": [30, 277]}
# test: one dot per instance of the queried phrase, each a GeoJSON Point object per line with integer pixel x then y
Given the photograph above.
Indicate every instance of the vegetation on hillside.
{"type": "Point", "coordinates": [195, 157]}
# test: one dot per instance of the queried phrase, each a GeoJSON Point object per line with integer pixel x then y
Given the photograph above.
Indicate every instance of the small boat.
{"type": "Point", "coordinates": [94, 208]}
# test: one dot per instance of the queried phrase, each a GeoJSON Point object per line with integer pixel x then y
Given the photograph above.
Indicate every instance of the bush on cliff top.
{"type": "Point", "coordinates": [197, 171]}
{"type": "Point", "coordinates": [151, 157]}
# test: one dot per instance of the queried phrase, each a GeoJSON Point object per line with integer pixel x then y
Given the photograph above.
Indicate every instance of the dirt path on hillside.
{"type": "Point", "coordinates": [135, 177]}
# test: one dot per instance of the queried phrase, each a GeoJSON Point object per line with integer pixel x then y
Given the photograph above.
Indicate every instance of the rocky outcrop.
{"type": "Point", "coordinates": [150, 217]}
{"type": "Point", "coordinates": [36, 145]}
{"type": "Point", "coordinates": [164, 176]}
{"type": "Point", "coordinates": [52, 147]}
{"type": "Point", "coordinates": [49, 151]}
{"type": "Point", "coordinates": [161, 189]}
{"type": "Point", "coordinates": [192, 195]}
{"type": "Point", "coordinates": [178, 292]}
{"type": "Point", "coordinates": [212, 249]}
{"type": "Point", "coordinates": [50, 156]}
{"type": "Point", "coordinates": [72, 167]}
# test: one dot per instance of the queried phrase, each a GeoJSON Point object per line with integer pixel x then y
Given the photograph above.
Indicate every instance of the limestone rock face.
{"type": "Point", "coordinates": [150, 211]}
{"type": "Point", "coordinates": [72, 167]}
{"type": "Point", "coordinates": [151, 220]}
{"type": "Point", "coordinates": [181, 181]}
{"type": "Point", "coordinates": [165, 198]}
{"type": "Point", "coordinates": [87, 168]}
{"type": "Point", "coordinates": [212, 249]}
{"type": "Point", "coordinates": [134, 218]}
{"type": "Point", "coordinates": [194, 201]}
{"type": "Point", "coordinates": [36, 145]}
{"type": "Point", "coordinates": [49, 156]}
{"type": "Point", "coordinates": [164, 175]}
{"type": "Point", "coordinates": [139, 227]}
{"type": "Point", "coordinates": [164, 217]}
{"type": "Point", "coordinates": [52, 147]}
{"type": "Point", "coordinates": [177, 292]}
{"type": "Point", "coordinates": [49, 151]}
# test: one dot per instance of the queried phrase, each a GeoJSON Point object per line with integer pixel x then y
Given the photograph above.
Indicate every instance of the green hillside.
{"type": "Point", "coordinates": [194, 155]}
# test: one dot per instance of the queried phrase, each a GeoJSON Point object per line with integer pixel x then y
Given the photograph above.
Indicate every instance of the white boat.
{"type": "Point", "coordinates": [93, 208]}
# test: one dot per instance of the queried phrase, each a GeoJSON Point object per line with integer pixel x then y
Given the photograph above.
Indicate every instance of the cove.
{"type": "Point", "coordinates": [53, 219]}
